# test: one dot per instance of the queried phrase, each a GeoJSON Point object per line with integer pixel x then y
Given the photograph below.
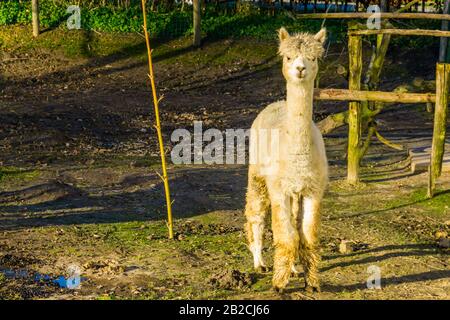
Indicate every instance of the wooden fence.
{"type": "Point", "coordinates": [355, 96]}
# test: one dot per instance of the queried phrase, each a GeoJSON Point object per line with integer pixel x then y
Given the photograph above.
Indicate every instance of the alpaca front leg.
{"type": "Point", "coordinates": [255, 211]}
{"type": "Point", "coordinates": [286, 239]}
{"type": "Point", "coordinates": [308, 242]}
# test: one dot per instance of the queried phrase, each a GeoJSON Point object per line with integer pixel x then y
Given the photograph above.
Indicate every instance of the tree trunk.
{"type": "Point", "coordinates": [35, 17]}
{"type": "Point", "coordinates": [354, 116]}
{"type": "Point", "coordinates": [384, 5]}
{"type": "Point", "coordinates": [197, 23]}
{"type": "Point", "coordinates": [444, 41]}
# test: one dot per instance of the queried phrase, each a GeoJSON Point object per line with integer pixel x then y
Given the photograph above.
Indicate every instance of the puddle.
{"type": "Point", "coordinates": [61, 281]}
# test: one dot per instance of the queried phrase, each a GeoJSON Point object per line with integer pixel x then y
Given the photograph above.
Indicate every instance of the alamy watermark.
{"type": "Point", "coordinates": [214, 146]}
{"type": "Point", "coordinates": [374, 22]}
{"type": "Point", "coordinates": [374, 279]}
{"type": "Point", "coordinates": [74, 20]}
{"type": "Point", "coordinates": [74, 279]}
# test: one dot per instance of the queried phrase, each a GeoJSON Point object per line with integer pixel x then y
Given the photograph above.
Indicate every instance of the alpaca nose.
{"type": "Point", "coordinates": [301, 68]}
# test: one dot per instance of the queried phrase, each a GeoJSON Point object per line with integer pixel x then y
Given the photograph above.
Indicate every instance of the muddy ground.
{"type": "Point", "coordinates": [79, 182]}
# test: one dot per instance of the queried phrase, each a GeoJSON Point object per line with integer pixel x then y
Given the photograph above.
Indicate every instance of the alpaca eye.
{"type": "Point", "coordinates": [288, 58]}
{"type": "Point", "coordinates": [314, 59]}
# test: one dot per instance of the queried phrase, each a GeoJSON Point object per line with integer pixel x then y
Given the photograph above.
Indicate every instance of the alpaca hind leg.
{"type": "Point", "coordinates": [256, 210]}
{"type": "Point", "coordinates": [286, 241]}
{"type": "Point", "coordinates": [308, 242]}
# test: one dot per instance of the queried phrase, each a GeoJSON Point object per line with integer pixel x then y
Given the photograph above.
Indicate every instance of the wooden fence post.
{"type": "Point", "coordinates": [440, 123]}
{"type": "Point", "coordinates": [35, 17]}
{"type": "Point", "coordinates": [354, 116]}
{"type": "Point", "coordinates": [197, 23]}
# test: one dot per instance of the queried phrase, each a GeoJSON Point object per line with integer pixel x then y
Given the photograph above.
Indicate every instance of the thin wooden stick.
{"type": "Point", "coordinates": [158, 125]}
{"type": "Point", "coordinates": [431, 184]}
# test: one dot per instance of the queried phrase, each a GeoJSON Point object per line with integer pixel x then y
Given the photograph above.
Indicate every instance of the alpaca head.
{"type": "Point", "coordinates": [300, 53]}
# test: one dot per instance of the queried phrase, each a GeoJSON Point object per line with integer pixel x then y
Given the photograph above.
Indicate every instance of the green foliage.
{"type": "Point", "coordinates": [19, 12]}
{"type": "Point", "coordinates": [217, 21]}
{"type": "Point", "coordinates": [251, 22]}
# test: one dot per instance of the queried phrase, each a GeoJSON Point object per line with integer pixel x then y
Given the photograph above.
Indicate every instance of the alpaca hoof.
{"type": "Point", "coordinates": [312, 289]}
{"type": "Point", "coordinates": [278, 290]}
{"type": "Point", "coordinates": [261, 269]}
{"type": "Point", "coordinates": [295, 271]}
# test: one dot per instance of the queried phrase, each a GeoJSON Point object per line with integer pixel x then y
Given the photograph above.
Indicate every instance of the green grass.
{"type": "Point", "coordinates": [14, 174]}
{"type": "Point", "coordinates": [74, 43]}
{"type": "Point", "coordinates": [126, 234]}
{"type": "Point", "coordinates": [439, 204]}
{"type": "Point", "coordinates": [107, 297]}
{"type": "Point", "coordinates": [133, 236]}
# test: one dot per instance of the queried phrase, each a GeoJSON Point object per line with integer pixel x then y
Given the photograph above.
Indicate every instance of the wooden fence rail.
{"type": "Point", "coordinates": [401, 32]}
{"type": "Point", "coordinates": [381, 96]}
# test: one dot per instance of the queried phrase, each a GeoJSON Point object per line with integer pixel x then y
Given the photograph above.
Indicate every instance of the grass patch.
{"type": "Point", "coordinates": [8, 174]}
{"type": "Point", "coordinates": [78, 43]}
{"type": "Point", "coordinates": [439, 204]}
{"type": "Point", "coordinates": [73, 43]}
{"type": "Point", "coordinates": [125, 234]}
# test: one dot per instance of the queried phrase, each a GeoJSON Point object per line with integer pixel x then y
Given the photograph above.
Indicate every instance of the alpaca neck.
{"type": "Point", "coordinates": [299, 102]}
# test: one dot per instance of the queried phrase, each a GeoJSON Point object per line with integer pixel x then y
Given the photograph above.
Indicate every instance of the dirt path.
{"type": "Point", "coordinates": [79, 186]}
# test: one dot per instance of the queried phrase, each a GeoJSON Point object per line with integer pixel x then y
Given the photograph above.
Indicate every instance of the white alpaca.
{"type": "Point", "coordinates": [293, 176]}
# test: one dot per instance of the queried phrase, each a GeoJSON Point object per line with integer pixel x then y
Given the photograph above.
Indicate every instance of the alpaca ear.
{"type": "Point", "coordinates": [283, 34]}
{"type": "Point", "coordinates": [321, 36]}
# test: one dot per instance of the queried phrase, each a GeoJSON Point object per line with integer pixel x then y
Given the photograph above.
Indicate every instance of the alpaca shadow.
{"type": "Point", "coordinates": [377, 259]}
{"type": "Point", "coordinates": [418, 247]}
{"type": "Point", "coordinates": [395, 280]}
{"type": "Point", "coordinates": [417, 250]}
{"type": "Point", "coordinates": [257, 69]}
{"type": "Point", "coordinates": [217, 189]}
{"type": "Point", "coordinates": [437, 195]}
